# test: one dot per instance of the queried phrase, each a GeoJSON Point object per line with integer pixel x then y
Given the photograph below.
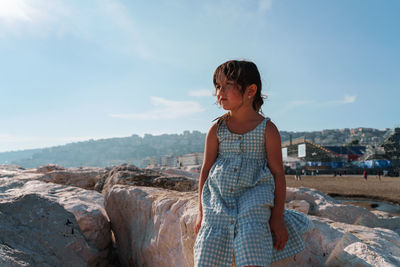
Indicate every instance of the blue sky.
{"type": "Point", "coordinates": [78, 70]}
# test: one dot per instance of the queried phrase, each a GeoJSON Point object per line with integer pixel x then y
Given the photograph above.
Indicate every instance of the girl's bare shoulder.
{"type": "Point", "coordinates": [272, 135]}
{"type": "Point", "coordinates": [212, 132]}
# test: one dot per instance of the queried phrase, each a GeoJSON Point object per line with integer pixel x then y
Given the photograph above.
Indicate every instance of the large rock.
{"type": "Point", "coordinates": [131, 175]}
{"type": "Point", "coordinates": [16, 179]}
{"type": "Point", "coordinates": [181, 171]}
{"type": "Point", "coordinates": [154, 227]}
{"type": "Point", "coordinates": [339, 244]}
{"type": "Point", "coordinates": [10, 170]}
{"type": "Point", "coordinates": [45, 224]}
{"type": "Point", "coordinates": [322, 205]}
{"type": "Point", "coordinates": [83, 177]}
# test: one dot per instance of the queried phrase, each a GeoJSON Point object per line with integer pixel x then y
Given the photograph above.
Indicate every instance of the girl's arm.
{"type": "Point", "coordinates": [210, 154]}
{"type": "Point", "coordinates": [274, 156]}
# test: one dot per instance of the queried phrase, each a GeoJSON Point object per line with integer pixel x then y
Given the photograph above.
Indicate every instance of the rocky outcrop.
{"type": "Point", "coordinates": [46, 224]}
{"type": "Point", "coordinates": [152, 214]}
{"type": "Point", "coordinates": [83, 177]}
{"type": "Point", "coordinates": [49, 168]}
{"type": "Point", "coordinates": [131, 175]}
{"type": "Point", "coordinates": [154, 227]}
{"type": "Point", "coordinates": [322, 205]}
{"type": "Point", "coordinates": [181, 172]}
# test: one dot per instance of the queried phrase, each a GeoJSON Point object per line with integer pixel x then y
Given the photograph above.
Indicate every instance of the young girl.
{"type": "Point", "coordinates": [242, 183]}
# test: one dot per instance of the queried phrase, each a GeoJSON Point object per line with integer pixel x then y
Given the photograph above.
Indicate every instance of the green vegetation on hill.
{"type": "Point", "coordinates": [112, 151]}
{"type": "Point", "coordinates": [134, 149]}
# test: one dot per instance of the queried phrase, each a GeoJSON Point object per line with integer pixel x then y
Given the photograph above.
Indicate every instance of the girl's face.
{"type": "Point", "coordinates": [229, 95]}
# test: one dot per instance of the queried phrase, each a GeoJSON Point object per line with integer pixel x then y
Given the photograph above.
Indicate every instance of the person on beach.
{"type": "Point", "coordinates": [365, 175]}
{"type": "Point", "coordinates": [379, 174]}
{"type": "Point", "coordinates": [242, 184]}
{"type": "Point", "coordinates": [298, 176]}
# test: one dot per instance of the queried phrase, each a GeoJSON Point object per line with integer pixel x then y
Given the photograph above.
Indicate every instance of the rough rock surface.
{"type": "Point", "coordinates": [46, 224]}
{"type": "Point", "coordinates": [154, 227]}
{"type": "Point", "coordinates": [83, 177]}
{"type": "Point", "coordinates": [43, 232]}
{"type": "Point", "coordinates": [131, 175]}
{"type": "Point", "coordinates": [49, 167]}
{"type": "Point", "coordinates": [299, 205]}
{"type": "Point", "coordinates": [322, 205]}
{"type": "Point", "coordinates": [181, 172]}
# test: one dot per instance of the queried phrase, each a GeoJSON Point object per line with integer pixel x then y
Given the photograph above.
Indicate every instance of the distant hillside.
{"type": "Point", "coordinates": [9, 157]}
{"type": "Point", "coordinates": [133, 149]}
{"type": "Point", "coordinates": [111, 151]}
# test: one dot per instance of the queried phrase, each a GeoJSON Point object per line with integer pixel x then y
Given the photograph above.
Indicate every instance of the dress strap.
{"type": "Point", "coordinates": [264, 127]}
{"type": "Point", "coordinates": [221, 128]}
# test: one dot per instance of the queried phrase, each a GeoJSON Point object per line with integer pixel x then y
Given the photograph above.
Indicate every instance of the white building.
{"type": "Point", "coordinates": [191, 159]}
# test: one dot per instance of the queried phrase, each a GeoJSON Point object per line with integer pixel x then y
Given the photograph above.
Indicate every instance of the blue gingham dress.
{"type": "Point", "coordinates": [237, 198]}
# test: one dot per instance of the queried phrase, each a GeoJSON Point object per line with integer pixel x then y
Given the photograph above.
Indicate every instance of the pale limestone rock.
{"type": "Point", "coordinates": [337, 244]}
{"type": "Point", "coordinates": [154, 227]}
{"type": "Point", "coordinates": [55, 225]}
{"type": "Point", "coordinates": [83, 177]}
{"type": "Point", "coordinates": [39, 232]}
{"type": "Point", "coordinates": [325, 206]}
{"type": "Point", "coordinates": [49, 167]}
{"type": "Point", "coordinates": [16, 180]}
{"type": "Point", "coordinates": [299, 205]}
{"type": "Point", "coordinates": [181, 172]}
{"type": "Point", "coordinates": [131, 175]}
{"type": "Point", "coordinates": [87, 207]}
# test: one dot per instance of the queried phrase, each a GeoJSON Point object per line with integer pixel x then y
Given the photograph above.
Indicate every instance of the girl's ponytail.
{"type": "Point", "coordinates": [258, 101]}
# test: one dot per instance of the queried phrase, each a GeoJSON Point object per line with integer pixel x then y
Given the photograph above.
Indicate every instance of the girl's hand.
{"type": "Point", "coordinates": [198, 222]}
{"type": "Point", "coordinates": [279, 232]}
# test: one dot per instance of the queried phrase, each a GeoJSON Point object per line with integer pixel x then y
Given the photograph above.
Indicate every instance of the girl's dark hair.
{"type": "Point", "coordinates": [244, 73]}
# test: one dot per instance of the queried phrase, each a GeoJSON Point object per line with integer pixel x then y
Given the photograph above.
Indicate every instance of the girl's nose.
{"type": "Point", "coordinates": [219, 93]}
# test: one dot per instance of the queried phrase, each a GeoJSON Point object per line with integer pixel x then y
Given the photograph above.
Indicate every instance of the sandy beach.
{"type": "Point", "coordinates": [386, 189]}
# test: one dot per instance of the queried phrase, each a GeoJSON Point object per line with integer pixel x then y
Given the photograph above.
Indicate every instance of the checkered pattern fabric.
{"type": "Point", "coordinates": [236, 198]}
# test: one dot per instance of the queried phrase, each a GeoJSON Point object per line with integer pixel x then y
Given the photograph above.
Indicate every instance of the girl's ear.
{"type": "Point", "coordinates": [251, 90]}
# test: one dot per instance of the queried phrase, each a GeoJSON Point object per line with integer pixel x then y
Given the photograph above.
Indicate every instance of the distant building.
{"type": "Point", "coordinates": [191, 159]}
{"type": "Point", "coordinates": [317, 155]}
{"type": "Point", "coordinates": [346, 153]}
{"type": "Point", "coordinates": [169, 161]}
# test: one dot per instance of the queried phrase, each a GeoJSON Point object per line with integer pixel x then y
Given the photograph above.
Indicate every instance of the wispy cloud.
{"type": "Point", "coordinates": [200, 93]}
{"type": "Point", "coordinates": [165, 109]}
{"type": "Point", "coordinates": [15, 11]}
{"type": "Point", "coordinates": [34, 16]}
{"type": "Point", "coordinates": [348, 99]}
